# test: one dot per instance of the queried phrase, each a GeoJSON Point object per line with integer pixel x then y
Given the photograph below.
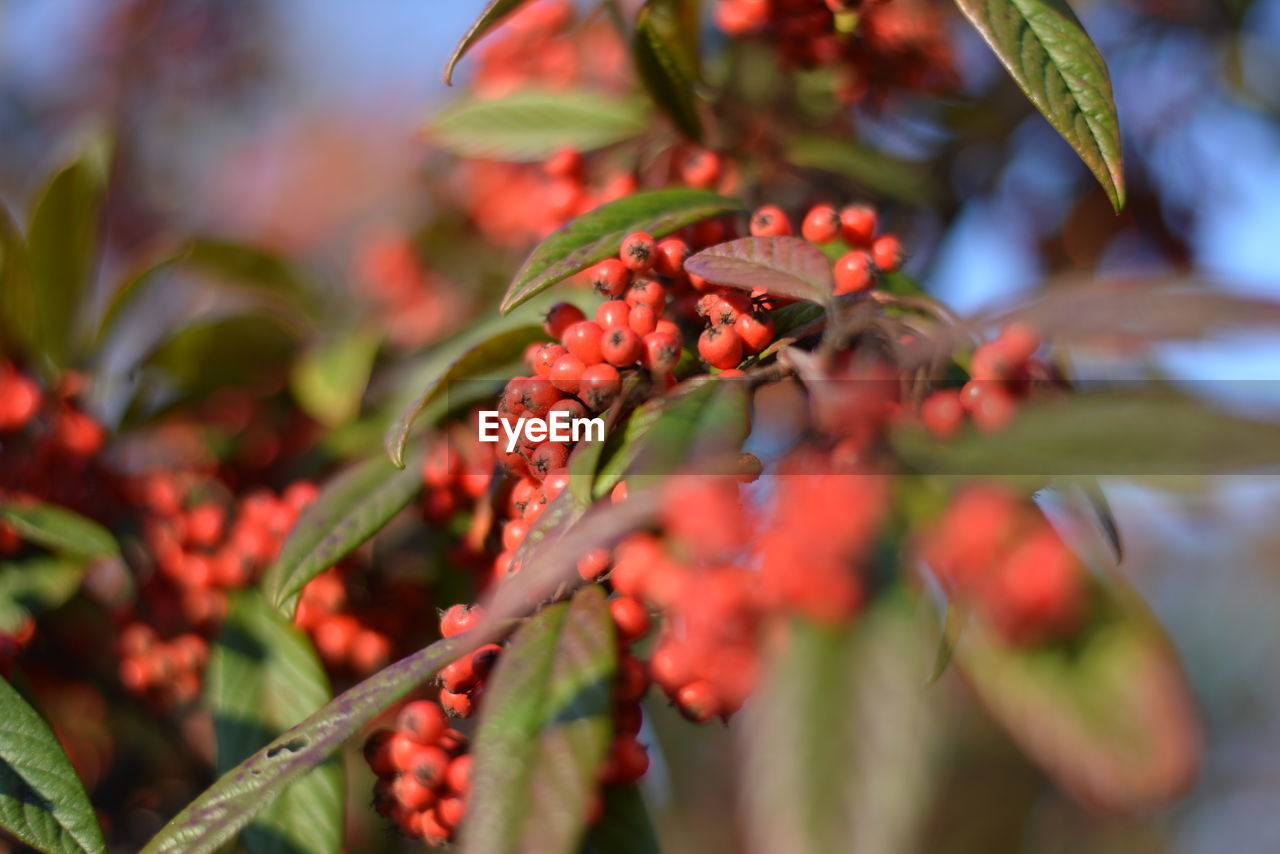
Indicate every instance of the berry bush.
{"type": "Point", "coordinates": [294, 567]}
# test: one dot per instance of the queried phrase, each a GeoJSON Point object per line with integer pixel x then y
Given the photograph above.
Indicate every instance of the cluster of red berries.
{"type": "Point", "coordinates": [1003, 371]}
{"type": "Point", "coordinates": [628, 758]}
{"type": "Point", "coordinates": [996, 550]}
{"type": "Point", "coordinates": [462, 680]}
{"type": "Point", "coordinates": [424, 773]}
{"type": "Point", "coordinates": [168, 671]}
{"type": "Point", "coordinates": [413, 305]}
{"type": "Point", "coordinates": [347, 640]}
{"type": "Point", "coordinates": [856, 225]}
{"type": "Point", "coordinates": [870, 44]}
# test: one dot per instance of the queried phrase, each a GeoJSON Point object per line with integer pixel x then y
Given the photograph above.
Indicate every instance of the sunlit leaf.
{"type": "Point", "coordinates": [1052, 59]}
{"type": "Point", "coordinates": [350, 509]}
{"type": "Point", "coordinates": [264, 677]}
{"type": "Point", "coordinates": [908, 180]}
{"type": "Point", "coordinates": [329, 379]}
{"type": "Point", "coordinates": [544, 732]}
{"type": "Point", "coordinates": [598, 234]}
{"type": "Point", "coordinates": [42, 801]}
{"type": "Point", "coordinates": [790, 267]}
{"type": "Point", "coordinates": [532, 125]}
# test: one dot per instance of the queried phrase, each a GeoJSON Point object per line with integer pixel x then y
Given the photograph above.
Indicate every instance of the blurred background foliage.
{"type": "Point", "coordinates": [256, 148]}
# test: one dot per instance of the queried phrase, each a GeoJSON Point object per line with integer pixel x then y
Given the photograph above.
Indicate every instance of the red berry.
{"type": "Point", "coordinates": [560, 317]}
{"type": "Point", "coordinates": [583, 340]}
{"type": "Point", "coordinates": [411, 794]}
{"type": "Point", "coordinates": [700, 169]}
{"type": "Point", "coordinates": [770, 221]}
{"type": "Point", "coordinates": [423, 721]}
{"type": "Point", "coordinates": [633, 679]}
{"type": "Point", "coordinates": [858, 224]}
{"type": "Point", "coordinates": [600, 385]}
{"type": "Point", "coordinates": [697, 701]}
{"type": "Point", "coordinates": [545, 357]}
{"type": "Point", "coordinates": [630, 617]}
{"type": "Point", "coordinates": [821, 224]}
{"type": "Point", "coordinates": [942, 413]}
{"type": "Point", "coordinates": [593, 564]}
{"type": "Point", "coordinates": [458, 775]}
{"type": "Point", "coordinates": [566, 373]}
{"type": "Point", "coordinates": [720, 347]}
{"type": "Point", "coordinates": [460, 618]}
{"type": "Point", "coordinates": [565, 163]}
{"type": "Point", "coordinates": [661, 352]}
{"type": "Point", "coordinates": [670, 668]}
{"type": "Point", "coordinates": [377, 752]}
{"type": "Point", "coordinates": [1018, 342]}
{"type": "Point", "coordinates": [756, 331]}
{"type": "Point", "coordinates": [646, 291]}
{"type": "Point", "coordinates": [887, 253]}
{"type": "Point", "coordinates": [629, 760]}
{"type": "Point", "coordinates": [609, 278]}
{"type": "Point", "coordinates": [550, 456]}
{"type": "Point", "coordinates": [671, 256]}
{"type": "Point", "coordinates": [612, 314]}
{"type": "Point", "coordinates": [643, 319]}
{"type": "Point", "coordinates": [621, 347]}
{"type": "Point", "coordinates": [428, 766]}
{"type": "Point", "coordinates": [458, 705]}
{"type": "Point", "coordinates": [513, 534]}
{"type": "Point", "coordinates": [637, 251]}
{"type": "Point", "coordinates": [853, 272]}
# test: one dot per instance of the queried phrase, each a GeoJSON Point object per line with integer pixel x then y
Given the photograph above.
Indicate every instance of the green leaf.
{"type": "Point", "coordinates": [598, 234]}
{"type": "Point", "coordinates": [264, 677]}
{"type": "Point", "coordinates": [489, 18]}
{"type": "Point", "coordinates": [1148, 433]}
{"type": "Point", "coordinates": [42, 801]}
{"type": "Point", "coordinates": [544, 732]}
{"type": "Point", "coordinates": [350, 509]}
{"type": "Point", "coordinates": [790, 267]}
{"type": "Point", "coordinates": [250, 266]}
{"type": "Point", "coordinates": [60, 530]}
{"type": "Point", "coordinates": [1108, 717]}
{"type": "Point", "coordinates": [129, 290]}
{"type": "Point", "coordinates": [62, 249]}
{"type": "Point", "coordinates": [1052, 59]}
{"type": "Point", "coordinates": [705, 422]}
{"type": "Point", "coordinates": [17, 299]}
{"type": "Point", "coordinates": [217, 352]}
{"type": "Point", "coordinates": [480, 360]}
{"type": "Point", "coordinates": [329, 379]}
{"type": "Point", "coordinates": [664, 64]}
{"type": "Point", "coordinates": [625, 827]}
{"type": "Point", "coordinates": [908, 180]}
{"type": "Point", "coordinates": [34, 586]}
{"type": "Point", "coordinates": [532, 125]}
{"type": "Point", "coordinates": [842, 738]}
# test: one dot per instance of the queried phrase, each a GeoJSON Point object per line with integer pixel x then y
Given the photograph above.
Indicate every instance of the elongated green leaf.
{"type": "Point", "coordinates": [532, 125]}
{"type": "Point", "coordinates": [231, 802]}
{"type": "Point", "coordinates": [704, 424]}
{"type": "Point", "coordinates": [481, 360]}
{"type": "Point", "coordinates": [544, 732]}
{"type": "Point", "coordinates": [264, 677]}
{"type": "Point", "coordinates": [17, 300]}
{"type": "Point", "coordinates": [1109, 718]}
{"type": "Point", "coordinates": [60, 530]}
{"type": "Point", "coordinates": [790, 267]}
{"type": "Point", "coordinates": [128, 292]}
{"type": "Point", "coordinates": [664, 65]}
{"type": "Point", "coordinates": [625, 827]}
{"type": "Point", "coordinates": [62, 249]}
{"type": "Point", "coordinates": [34, 586]}
{"type": "Point", "coordinates": [1143, 432]}
{"type": "Point", "coordinates": [489, 18]}
{"type": "Point", "coordinates": [907, 180]}
{"type": "Point", "coordinates": [852, 735]}
{"type": "Point", "coordinates": [42, 801]}
{"type": "Point", "coordinates": [216, 352]}
{"type": "Point", "coordinates": [330, 378]}
{"type": "Point", "coordinates": [1052, 59]}
{"type": "Point", "coordinates": [598, 234]}
{"type": "Point", "coordinates": [350, 509]}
